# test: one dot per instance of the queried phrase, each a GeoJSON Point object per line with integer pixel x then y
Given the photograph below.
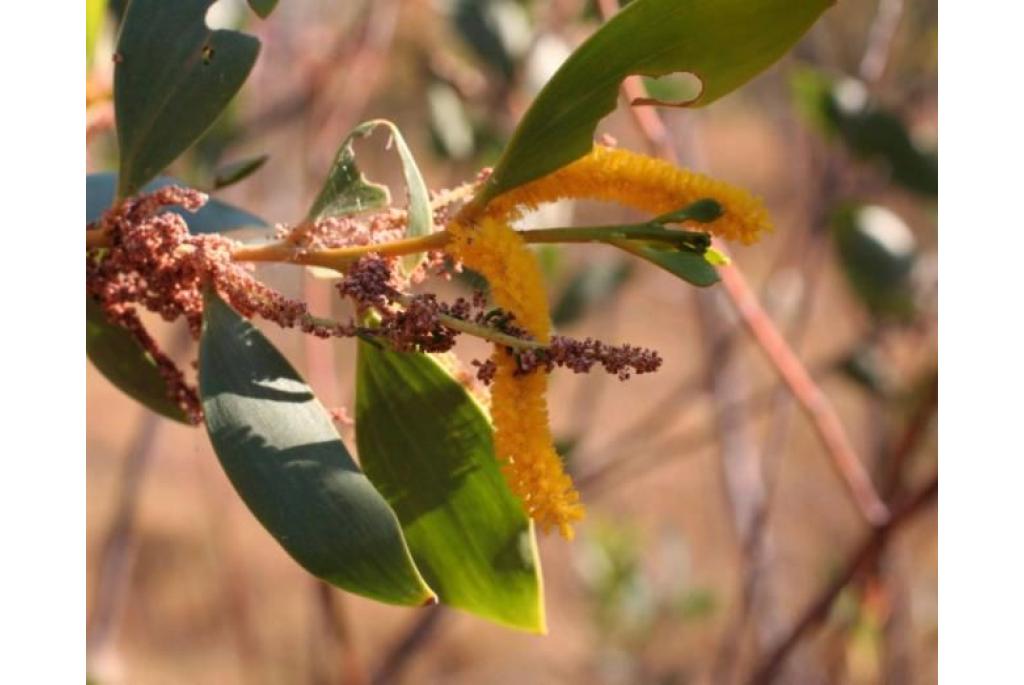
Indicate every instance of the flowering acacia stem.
{"type": "Point", "coordinates": [341, 257]}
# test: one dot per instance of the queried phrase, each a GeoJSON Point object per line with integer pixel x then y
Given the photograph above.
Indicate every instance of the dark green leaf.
{"type": "Point", "coordinates": [878, 253]}
{"type": "Point", "coordinates": [117, 355]}
{"type": "Point", "coordinates": [263, 7]}
{"type": "Point", "coordinates": [214, 217]}
{"type": "Point", "coordinates": [845, 109]}
{"type": "Point", "coordinates": [174, 76]}
{"type": "Point", "coordinates": [284, 457]}
{"type": "Point", "coordinates": [723, 42]}
{"type": "Point", "coordinates": [497, 30]}
{"type": "Point", "coordinates": [590, 286]}
{"type": "Point", "coordinates": [347, 191]}
{"type": "Point", "coordinates": [426, 444]}
{"type": "Point", "coordinates": [230, 174]}
{"type": "Point", "coordinates": [689, 266]}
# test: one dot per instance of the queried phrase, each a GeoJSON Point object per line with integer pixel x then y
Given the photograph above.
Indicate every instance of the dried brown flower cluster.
{"type": "Point", "coordinates": [418, 326]}
{"type": "Point", "coordinates": [151, 261]}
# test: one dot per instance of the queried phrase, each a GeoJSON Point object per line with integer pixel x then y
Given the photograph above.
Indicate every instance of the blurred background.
{"type": "Point", "coordinates": [719, 538]}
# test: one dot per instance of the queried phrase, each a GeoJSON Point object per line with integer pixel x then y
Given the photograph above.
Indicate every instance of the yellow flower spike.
{"type": "Point", "coordinates": [483, 241]}
{"type": "Point", "coordinates": [522, 437]}
{"type": "Point", "coordinates": [643, 183]}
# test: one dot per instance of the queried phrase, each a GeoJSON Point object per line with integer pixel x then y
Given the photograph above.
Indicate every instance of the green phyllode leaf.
{"type": "Point", "coordinates": [426, 444]}
{"type": "Point", "coordinates": [263, 7]}
{"type": "Point", "coordinates": [111, 349]}
{"type": "Point", "coordinates": [117, 355]}
{"type": "Point", "coordinates": [723, 42]}
{"type": "Point", "coordinates": [174, 76]}
{"type": "Point", "coordinates": [689, 266]}
{"type": "Point", "coordinates": [346, 191]}
{"type": "Point", "coordinates": [281, 452]}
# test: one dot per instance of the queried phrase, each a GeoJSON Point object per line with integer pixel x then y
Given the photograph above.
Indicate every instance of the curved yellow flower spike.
{"type": "Point", "coordinates": [522, 437]}
{"type": "Point", "coordinates": [643, 183]}
{"type": "Point", "coordinates": [485, 242]}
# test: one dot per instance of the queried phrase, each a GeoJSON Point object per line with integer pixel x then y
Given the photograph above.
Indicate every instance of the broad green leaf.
{"type": "Point", "coordinates": [213, 217]}
{"type": "Point", "coordinates": [279, 448]}
{"type": "Point", "coordinates": [116, 354]}
{"type": "Point", "coordinates": [689, 266]}
{"type": "Point", "coordinates": [95, 12]}
{"type": "Point", "coordinates": [263, 7]}
{"type": "Point", "coordinates": [174, 76]}
{"type": "Point", "coordinates": [426, 444]}
{"type": "Point", "coordinates": [346, 191]}
{"type": "Point", "coordinates": [590, 286]}
{"type": "Point", "coordinates": [723, 42]}
{"type": "Point", "coordinates": [230, 174]}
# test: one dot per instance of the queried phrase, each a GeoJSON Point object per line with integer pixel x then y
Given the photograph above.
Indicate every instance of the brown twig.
{"type": "Point", "coordinates": [862, 555]}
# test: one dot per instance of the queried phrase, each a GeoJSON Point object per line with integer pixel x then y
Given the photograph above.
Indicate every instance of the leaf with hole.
{"type": "Point", "coordinates": [426, 444]}
{"type": "Point", "coordinates": [285, 459]}
{"type": "Point", "coordinates": [173, 77]}
{"type": "Point", "coordinates": [724, 43]}
{"type": "Point", "coordinates": [346, 191]}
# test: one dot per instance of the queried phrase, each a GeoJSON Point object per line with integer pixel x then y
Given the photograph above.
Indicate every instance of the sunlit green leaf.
{"type": "Point", "coordinates": [284, 457]}
{"type": "Point", "coordinates": [173, 77]}
{"type": "Point", "coordinates": [95, 12]}
{"type": "Point", "coordinates": [723, 42]}
{"type": "Point", "coordinates": [347, 191]}
{"type": "Point", "coordinates": [426, 444]}
{"type": "Point", "coordinates": [117, 355]}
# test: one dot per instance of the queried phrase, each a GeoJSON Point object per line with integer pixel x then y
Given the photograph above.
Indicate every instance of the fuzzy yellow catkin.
{"type": "Point", "coordinates": [643, 183]}
{"type": "Point", "coordinates": [487, 244]}
{"type": "Point", "coordinates": [522, 436]}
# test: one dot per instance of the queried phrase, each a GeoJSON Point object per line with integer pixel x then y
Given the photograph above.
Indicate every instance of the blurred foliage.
{"type": "Point", "coordinates": [878, 253]}
{"type": "Point", "coordinates": [844, 109]}
{"type": "Point", "coordinates": [591, 286]}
